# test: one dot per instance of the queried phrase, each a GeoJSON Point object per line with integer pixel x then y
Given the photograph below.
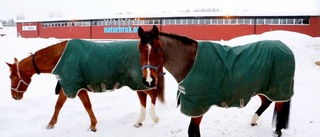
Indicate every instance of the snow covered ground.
{"type": "Point", "coordinates": [117, 111]}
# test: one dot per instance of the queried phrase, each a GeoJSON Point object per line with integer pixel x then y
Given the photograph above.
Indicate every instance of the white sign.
{"type": "Point", "coordinates": [29, 28]}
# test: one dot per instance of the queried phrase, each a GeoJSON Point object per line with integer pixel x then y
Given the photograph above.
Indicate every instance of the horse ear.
{"type": "Point", "coordinates": [140, 32]}
{"type": "Point", "coordinates": [155, 30]}
{"type": "Point", "coordinates": [10, 65]}
{"type": "Point", "coordinates": [16, 60]}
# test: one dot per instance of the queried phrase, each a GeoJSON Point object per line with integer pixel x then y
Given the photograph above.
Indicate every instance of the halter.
{"type": "Point", "coordinates": [20, 78]}
{"type": "Point", "coordinates": [155, 68]}
{"type": "Point", "coordinates": [20, 81]}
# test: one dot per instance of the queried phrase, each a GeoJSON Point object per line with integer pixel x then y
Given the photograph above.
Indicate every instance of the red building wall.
{"type": "Point", "coordinates": [28, 30]}
{"type": "Point", "coordinates": [82, 32]}
{"type": "Point", "coordinates": [127, 32]}
{"type": "Point", "coordinates": [209, 32]}
{"type": "Point", "coordinates": [198, 32]}
{"type": "Point", "coordinates": [314, 29]}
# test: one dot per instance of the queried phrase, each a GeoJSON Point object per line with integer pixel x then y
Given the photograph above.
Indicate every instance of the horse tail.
{"type": "Point", "coordinates": [58, 87]}
{"type": "Point", "coordinates": [160, 89]}
{"type": "Point", "coordinates": [281, 115]}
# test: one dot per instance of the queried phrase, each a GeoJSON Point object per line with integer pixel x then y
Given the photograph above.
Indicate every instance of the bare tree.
{"type": "Point", "coordinates": [55, 14]}
{"type": "Point", "coordinates": [20, 16]}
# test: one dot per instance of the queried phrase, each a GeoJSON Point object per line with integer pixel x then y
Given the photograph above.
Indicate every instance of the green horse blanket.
{"type": "Point", "coordinates": [99, 67]}
{"type": "Point", "coordinates": [229, 76]}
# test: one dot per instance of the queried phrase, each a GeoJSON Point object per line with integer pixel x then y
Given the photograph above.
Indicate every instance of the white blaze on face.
{"type": "Point", "coordinates": [149, 79]}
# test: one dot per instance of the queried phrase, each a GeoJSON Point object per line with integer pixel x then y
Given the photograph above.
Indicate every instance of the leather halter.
{"type": "Point", "coordinates": [21, 79]}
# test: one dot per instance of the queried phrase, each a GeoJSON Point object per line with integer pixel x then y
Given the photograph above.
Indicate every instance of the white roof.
{"type": "Point", "coordinates": [179, 14]}
{"type": "Point", "coordinates": [228, 8]}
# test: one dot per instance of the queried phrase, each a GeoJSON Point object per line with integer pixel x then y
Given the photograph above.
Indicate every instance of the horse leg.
{"type": "Point", "coordinates": [142, 98]}
{"type": "Point", "coordinates": [281, 116]}
{"type": "Point", "coordinates": [83, 95]}
{"type": "Point", "coordinates": [194, 127]}
{"type": "Point", "coordinates": [61, 100]}
{"type": "Point", "coordinates": [265, 103]}
{"type": "Point", "coordinates": [153, 96]}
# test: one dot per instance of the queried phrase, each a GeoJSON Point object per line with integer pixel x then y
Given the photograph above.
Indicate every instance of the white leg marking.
{"type": "Point", "coordinates": [153, 113]}
{"type": "Point", "coordinates": [142, 117]}
{"type": "Point", "coordinates": [255, 118]}
{"type": "Point", "coordinates": [149, 79]}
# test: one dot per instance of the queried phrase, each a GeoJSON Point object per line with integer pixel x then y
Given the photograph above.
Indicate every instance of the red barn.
{"type": "Point", "coordinates": [198, 25]}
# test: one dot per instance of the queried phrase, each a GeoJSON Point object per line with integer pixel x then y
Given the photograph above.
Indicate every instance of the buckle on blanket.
{"type": "Point", "coordinates": [181, 89]}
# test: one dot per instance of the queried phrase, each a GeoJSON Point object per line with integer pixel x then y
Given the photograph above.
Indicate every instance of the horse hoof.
{"type": "Point", "coordinates": [254, 124]}
{"type": "Point", "coordinates": [156, 120]}
{"type": "Point", "coordinates": [277, 133]}
{"type": "Point", "coordinates": [50, 126]}
{"type": "Point", "coordinates": [92, 129]}
{"type": "Point", "coordinates": [137, 125]}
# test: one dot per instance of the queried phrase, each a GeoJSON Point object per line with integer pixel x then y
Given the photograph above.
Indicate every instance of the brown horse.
{"type": "Point", "coordinates": [44, 61]}
{"type": "Point", "coordinates": [219, 77]}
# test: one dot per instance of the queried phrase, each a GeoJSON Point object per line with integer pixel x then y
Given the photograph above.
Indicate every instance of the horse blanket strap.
{"type": "Point", "coordinates": [229, 76]}
{"type": "Point", "coordinates": [34, 64]}
{"type": "Point", "coordinates": [98, 66]}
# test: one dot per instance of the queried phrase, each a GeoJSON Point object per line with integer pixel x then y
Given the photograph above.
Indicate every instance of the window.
{"type": "Point", "coordinates": [290, 21]}
{"type": "Point", "coordinates": [214, 21]}
{"type": "Point", "coordinates": [269, 21]}
{"type": "Point", "coordinates": [275, 21]}
{"type": "Point", "coordinates": [260, 21]}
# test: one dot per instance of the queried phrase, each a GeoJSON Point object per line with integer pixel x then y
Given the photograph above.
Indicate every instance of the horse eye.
{"type": "Point", "coordinates": [157, 50]}
{"type": "Point", "coordinates": [11, 77]}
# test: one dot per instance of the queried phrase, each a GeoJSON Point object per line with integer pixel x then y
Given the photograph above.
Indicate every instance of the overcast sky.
{"type": "Point", "coordinates": [33, 9]}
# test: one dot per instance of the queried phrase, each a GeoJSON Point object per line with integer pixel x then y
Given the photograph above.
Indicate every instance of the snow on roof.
{"type": "Point", "coordinates": [243, 9]}
{"type": "Point", "coordinates": [177, 14]}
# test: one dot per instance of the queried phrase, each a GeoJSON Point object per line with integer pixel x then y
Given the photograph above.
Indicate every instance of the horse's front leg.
{"type": "Point", "coordinates": [84, 97]}
{"type": "Point", "coordinates": [153, 95]}
{"type": "Point", "coordinates": [194, 127]}
{"type": "Point", "coordinates": [143, 102]}
{"type": "Point", "coordinates": [60, 101]}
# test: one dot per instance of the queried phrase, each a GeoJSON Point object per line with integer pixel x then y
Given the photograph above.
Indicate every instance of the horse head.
{"type": "Point", "coordinates": [19, 80]}
{"type": "Point", "coordinates": [151, 56]}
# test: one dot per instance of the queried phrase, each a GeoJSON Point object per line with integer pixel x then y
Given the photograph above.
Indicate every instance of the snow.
{"type": "Point", "coordinates": [118, 111]}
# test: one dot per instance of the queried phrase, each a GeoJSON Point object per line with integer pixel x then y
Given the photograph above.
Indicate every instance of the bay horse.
{"type": "Point", "coordinates": [46, 59]}
{"type": "Point", "coordinates": [212, 74]}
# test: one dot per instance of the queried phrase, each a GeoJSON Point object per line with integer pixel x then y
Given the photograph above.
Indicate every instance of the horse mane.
{"type": "Point", "coordinates": [160, 89]}
{"type": "Point", "coordinates": [50, 48]}
{"type": "Point", "coordinates": [184, 39]}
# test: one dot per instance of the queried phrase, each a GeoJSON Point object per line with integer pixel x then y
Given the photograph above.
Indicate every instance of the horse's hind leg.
{"type": "Point", "coordinates": [84, 97]}
{"type": "Point", "coordinates": [194, 127]}
{"type": "Point", "coordinates": [143, 101]}
{"type": "Point", "coordinates": [61, 100]}
{"type": "Point", "coordinates": [281, 116]}
{"type": "Point", "coordinates": [265, 103]}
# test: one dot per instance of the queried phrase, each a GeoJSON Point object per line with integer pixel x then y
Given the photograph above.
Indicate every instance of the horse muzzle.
{"type": "Point", "coordinates": [17, 96]}
{"type": "Point", "coordinates": [149, 82]}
